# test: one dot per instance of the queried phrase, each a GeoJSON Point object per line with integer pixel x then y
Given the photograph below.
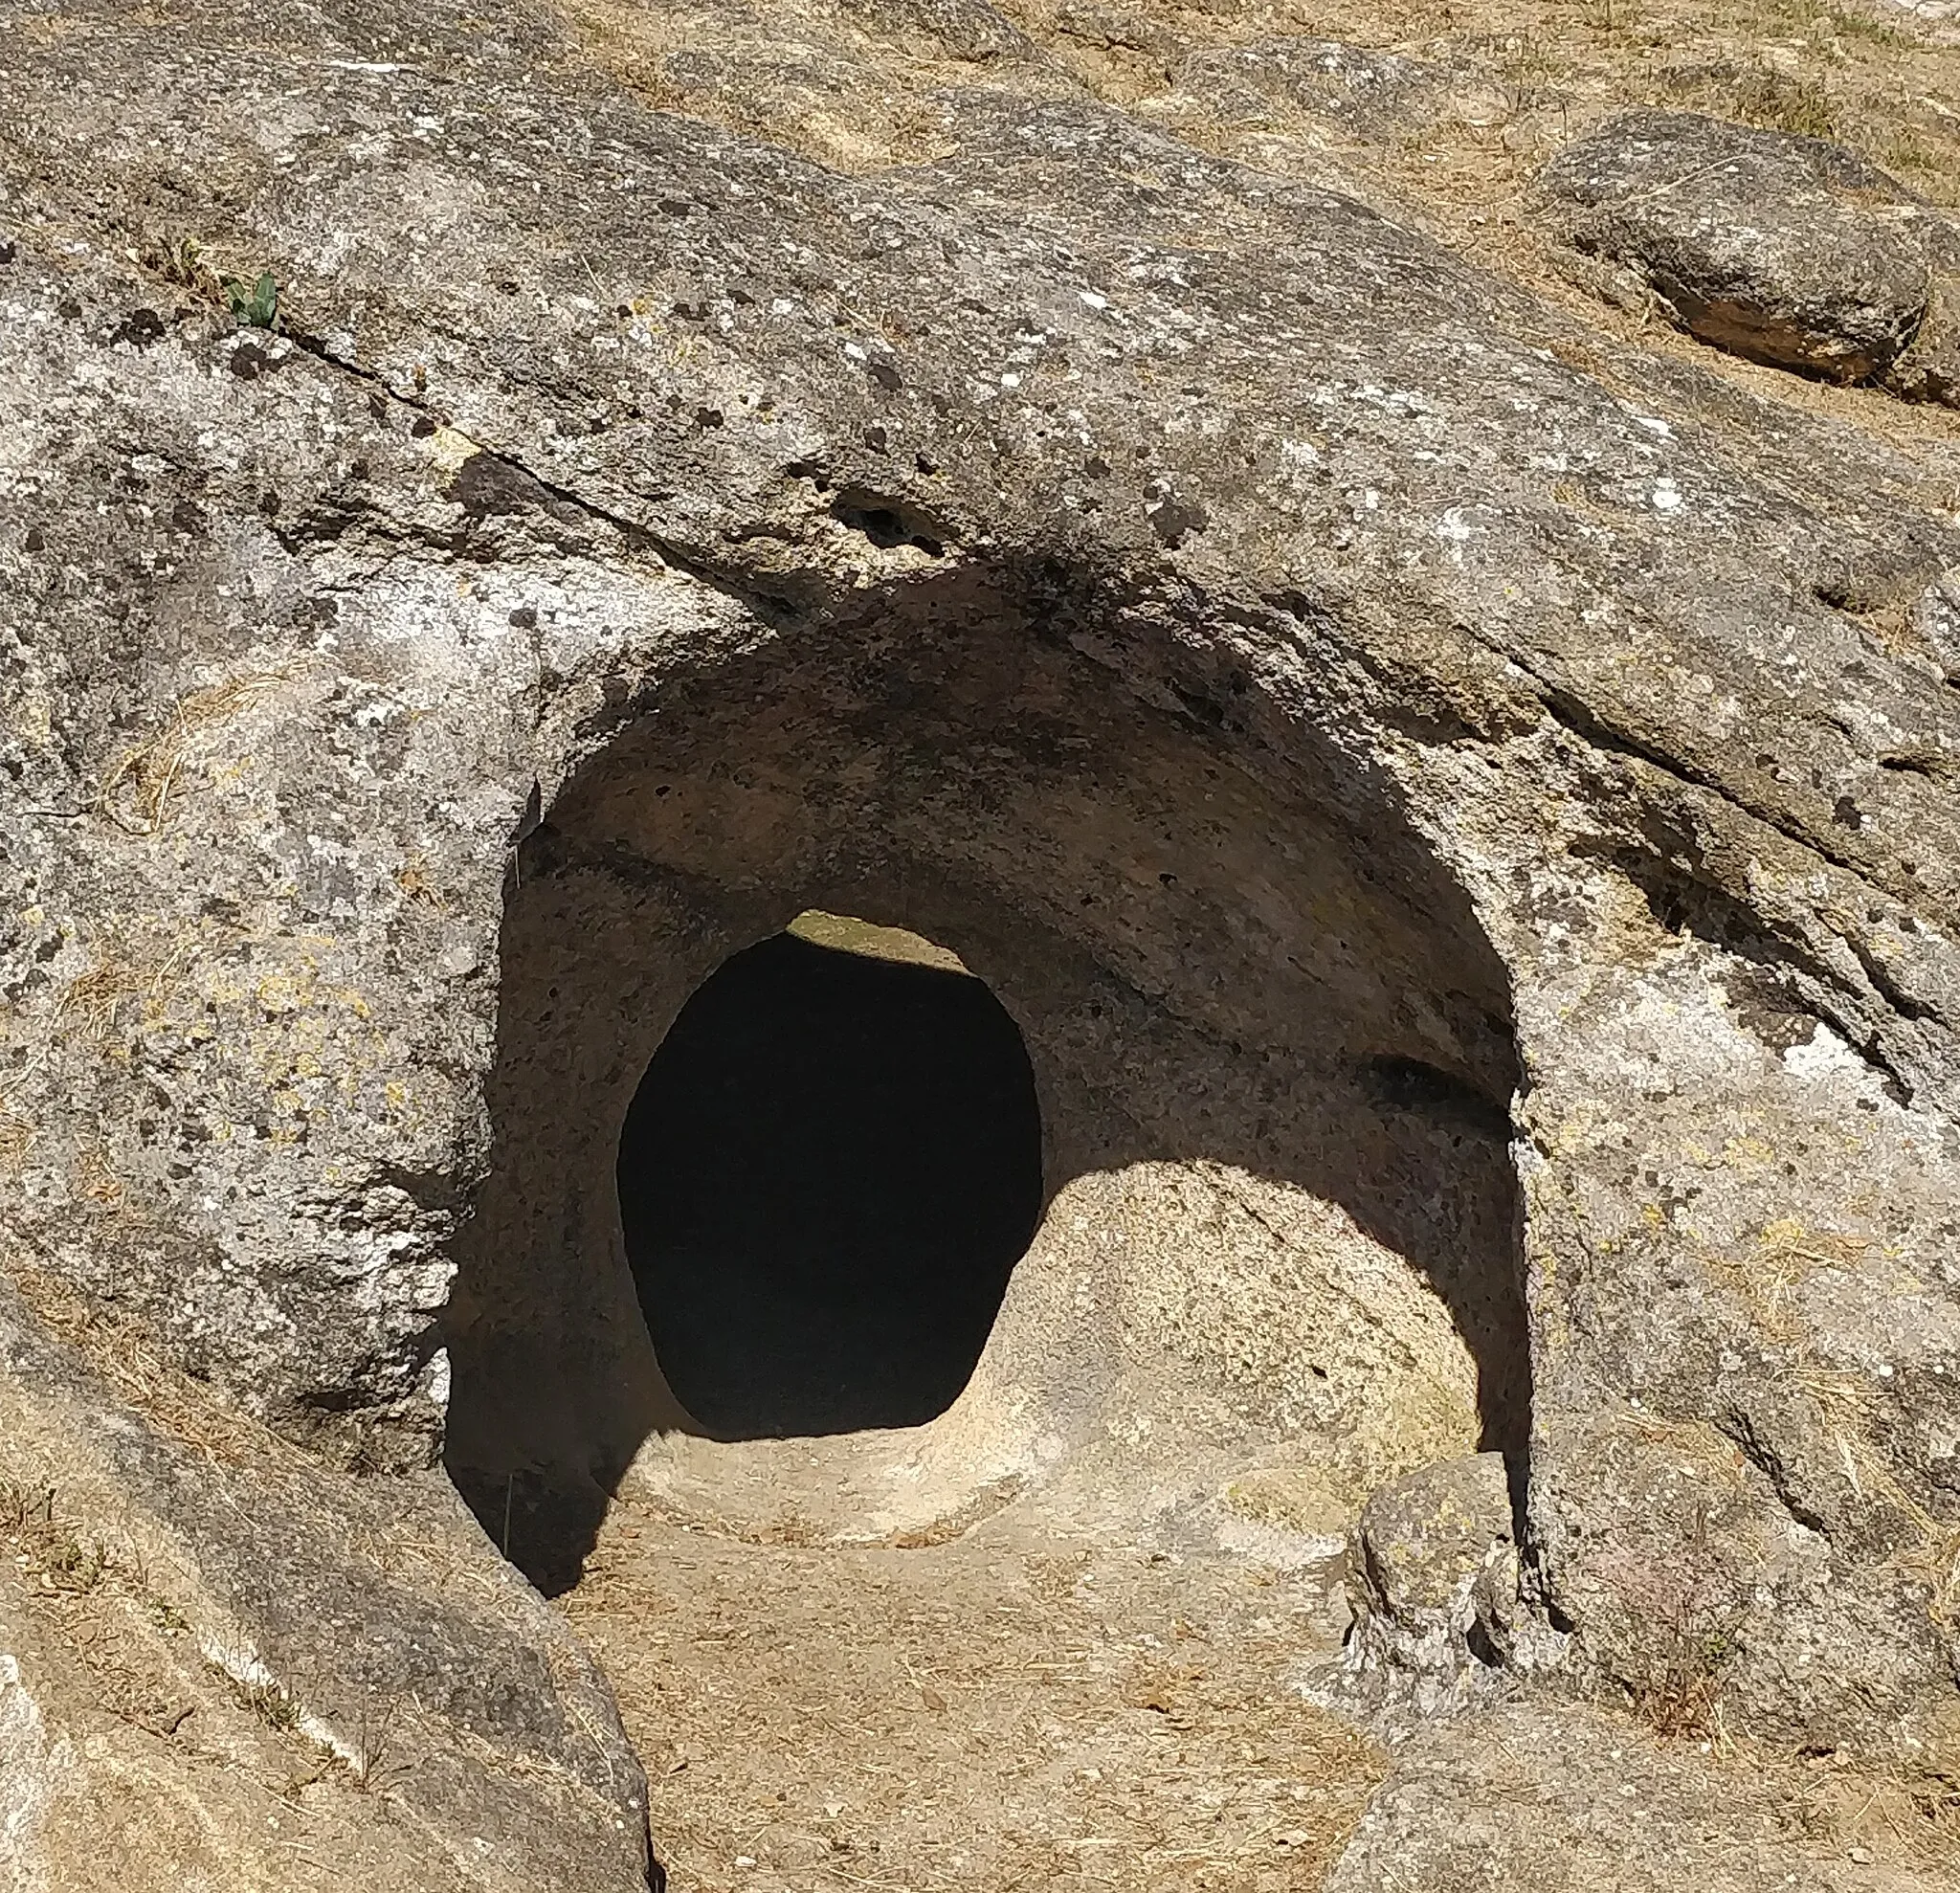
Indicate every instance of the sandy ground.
{"type": "Point", "coordinates": [997, 1713]}
{"type": "Point", "coordinates": [983, 1713]}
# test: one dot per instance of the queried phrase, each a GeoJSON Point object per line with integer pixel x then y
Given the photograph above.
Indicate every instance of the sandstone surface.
{"type": "Point", "coordinates": [1458, 801]}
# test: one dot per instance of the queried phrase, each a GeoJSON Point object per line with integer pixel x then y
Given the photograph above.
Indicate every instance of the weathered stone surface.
{"type": "Point", "coordinates": [965, 29]}
{"type": "Point", "coordinates": [1788, 249]}
{"type": "Point", "coordinates": [1570, 1801]}
{"type": "Point", "coordinates": [1936, 618]}
{"type": "Point", "coordinates": [189, 1602]}
{"type": "Point", "coordinates": [1351, 91]}
{"type": "Point", "coordinates": [1435, 1565]}
{"type": "Point", "coordinates": [1929, 370]}
{"type": "Point", "coordinates": [1415, 774]}
{"type": "Point", "coordinates": [1692, 1566]}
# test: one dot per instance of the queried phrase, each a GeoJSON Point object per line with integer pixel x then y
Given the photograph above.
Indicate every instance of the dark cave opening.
{"type": "Point", "coordinates": [826, 1178]}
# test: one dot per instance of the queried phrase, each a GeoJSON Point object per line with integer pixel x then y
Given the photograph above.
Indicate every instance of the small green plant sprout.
{"type": "Point", "coordinates": [167, 1618]}
{"type": "Point", "coordinates": [255, 305]}
{"type": "Point", "coordinates": [182, 262]}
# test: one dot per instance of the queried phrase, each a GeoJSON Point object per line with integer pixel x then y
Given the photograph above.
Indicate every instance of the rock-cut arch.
{"type": "Point", "coordinates": [1272, 1049]}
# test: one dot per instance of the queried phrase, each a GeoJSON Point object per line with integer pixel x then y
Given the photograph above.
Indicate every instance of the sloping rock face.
{"type": "Point", "coordinates": [227, 1665]}
{"type": "Point", "coordinates": [1237, 608]}
{"type": "Point", "coordinates": [1788, 249]}
{"type": "Point", "coordinates": [1569, 1799]}
{"type": "Point", "coordinates": [1353, 94]}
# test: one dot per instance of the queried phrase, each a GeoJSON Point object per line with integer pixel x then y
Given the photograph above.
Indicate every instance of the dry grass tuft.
{"type": "Point", "coordinates": [274, 1706]}
{"type": "Point", "coordinates": [184, 1409]}
{"type": "Point", "coordinates": [1785, 1252]}
{"type": "Point", "coordinates": [125, 969]}
{"type": "Point", "coordinates": [16, 1136]}
{"type": "Point", "coordinates": [1901, 1815]}
{"type": "Point", "coordinates": [135, 793]}
{"type": "Point", "coordinates": [182, 260]}
{"type": "Point", "coordinates": [56, 1557]}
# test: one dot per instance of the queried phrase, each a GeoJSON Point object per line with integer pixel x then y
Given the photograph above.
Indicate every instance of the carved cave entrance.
{"type": "Point", "coordinates": [826, 1178]}
{"type": "Point", "coordinates": [1238, 1069]}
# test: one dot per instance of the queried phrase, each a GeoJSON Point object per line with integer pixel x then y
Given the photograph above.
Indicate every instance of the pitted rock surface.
{"type": "Point", "coordinates": [1435, 1585]}
{"type": "Point", "coordinates": [1936, 618]}
{"type": "Point", "coordinates": [1460, 808]}
{"type": "Point", "coordinates": [1352, 92]}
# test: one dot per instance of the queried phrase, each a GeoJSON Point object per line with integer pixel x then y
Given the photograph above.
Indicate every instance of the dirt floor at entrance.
{"type": "Point", "coordinates": [981, 1713]}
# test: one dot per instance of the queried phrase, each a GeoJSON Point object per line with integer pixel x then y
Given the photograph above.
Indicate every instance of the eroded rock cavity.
{"type": "Point", "coordinates": [825, 1180]}
{"type": "Point", "coordinates": [1277, 1259]}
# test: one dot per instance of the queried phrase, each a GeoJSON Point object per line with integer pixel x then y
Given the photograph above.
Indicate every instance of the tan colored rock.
{"type": "Point", "coordinates": [1928, 369]}
{"type": "Point", "coordinates": [1572, 1799]}
{"type": "Point", "coordinates": [1442, 791]}
{"type": "Point", "coordinates": [219, 1658]}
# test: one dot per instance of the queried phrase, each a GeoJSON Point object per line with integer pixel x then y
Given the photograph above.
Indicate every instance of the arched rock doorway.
{"type": "Point", "coordinates": [1270, 1042]}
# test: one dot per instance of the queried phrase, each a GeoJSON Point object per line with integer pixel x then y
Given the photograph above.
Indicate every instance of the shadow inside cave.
{"type": "Point", "coordinates": [826, 1178]}
{"type": "Point", "coordinates": [805, 1177]}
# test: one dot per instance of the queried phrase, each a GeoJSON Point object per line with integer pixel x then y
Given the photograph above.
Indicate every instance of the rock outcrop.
{"type": "Point", "coordinates": [1346, 93]}
{"type": "Point", "coordinates": [1568, 1800]}
{"type": "Point", "coordinates": [1787, 250]}
{"type": "Point", "coordinates": [1436, 1585]}
{"type": "Point", "coordinates": [226, 1663]}
{"type": "Point", "coordinates": [1463, 809]}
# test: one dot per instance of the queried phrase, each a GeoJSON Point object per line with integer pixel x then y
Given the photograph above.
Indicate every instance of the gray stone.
{"type": "Point", "coordinates": [965, 29]}
{"type": "Point", "coordinates": [1936, 618]}
{"type": "Point", "coordinates": [1929, 370]}
{"type": "Point", "coordinates": [1352, 91]}
{"type": "Point", "coordinates": [1572, 1799]}
{"type": "Point", "coordinates": [195, 1601]}
{"type": "Point", "coordinates": [1785, 249]}
{"type": "Point", "coordinates": [1701, 1580]}
{"type": "Point", "coordinates": [1480, 887]}
{"type": "Point", "coordinates": [1435, 1586]}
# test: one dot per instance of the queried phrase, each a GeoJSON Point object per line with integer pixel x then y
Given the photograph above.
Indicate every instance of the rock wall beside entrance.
{"type": "Point", "coordinates": [933, 536]}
